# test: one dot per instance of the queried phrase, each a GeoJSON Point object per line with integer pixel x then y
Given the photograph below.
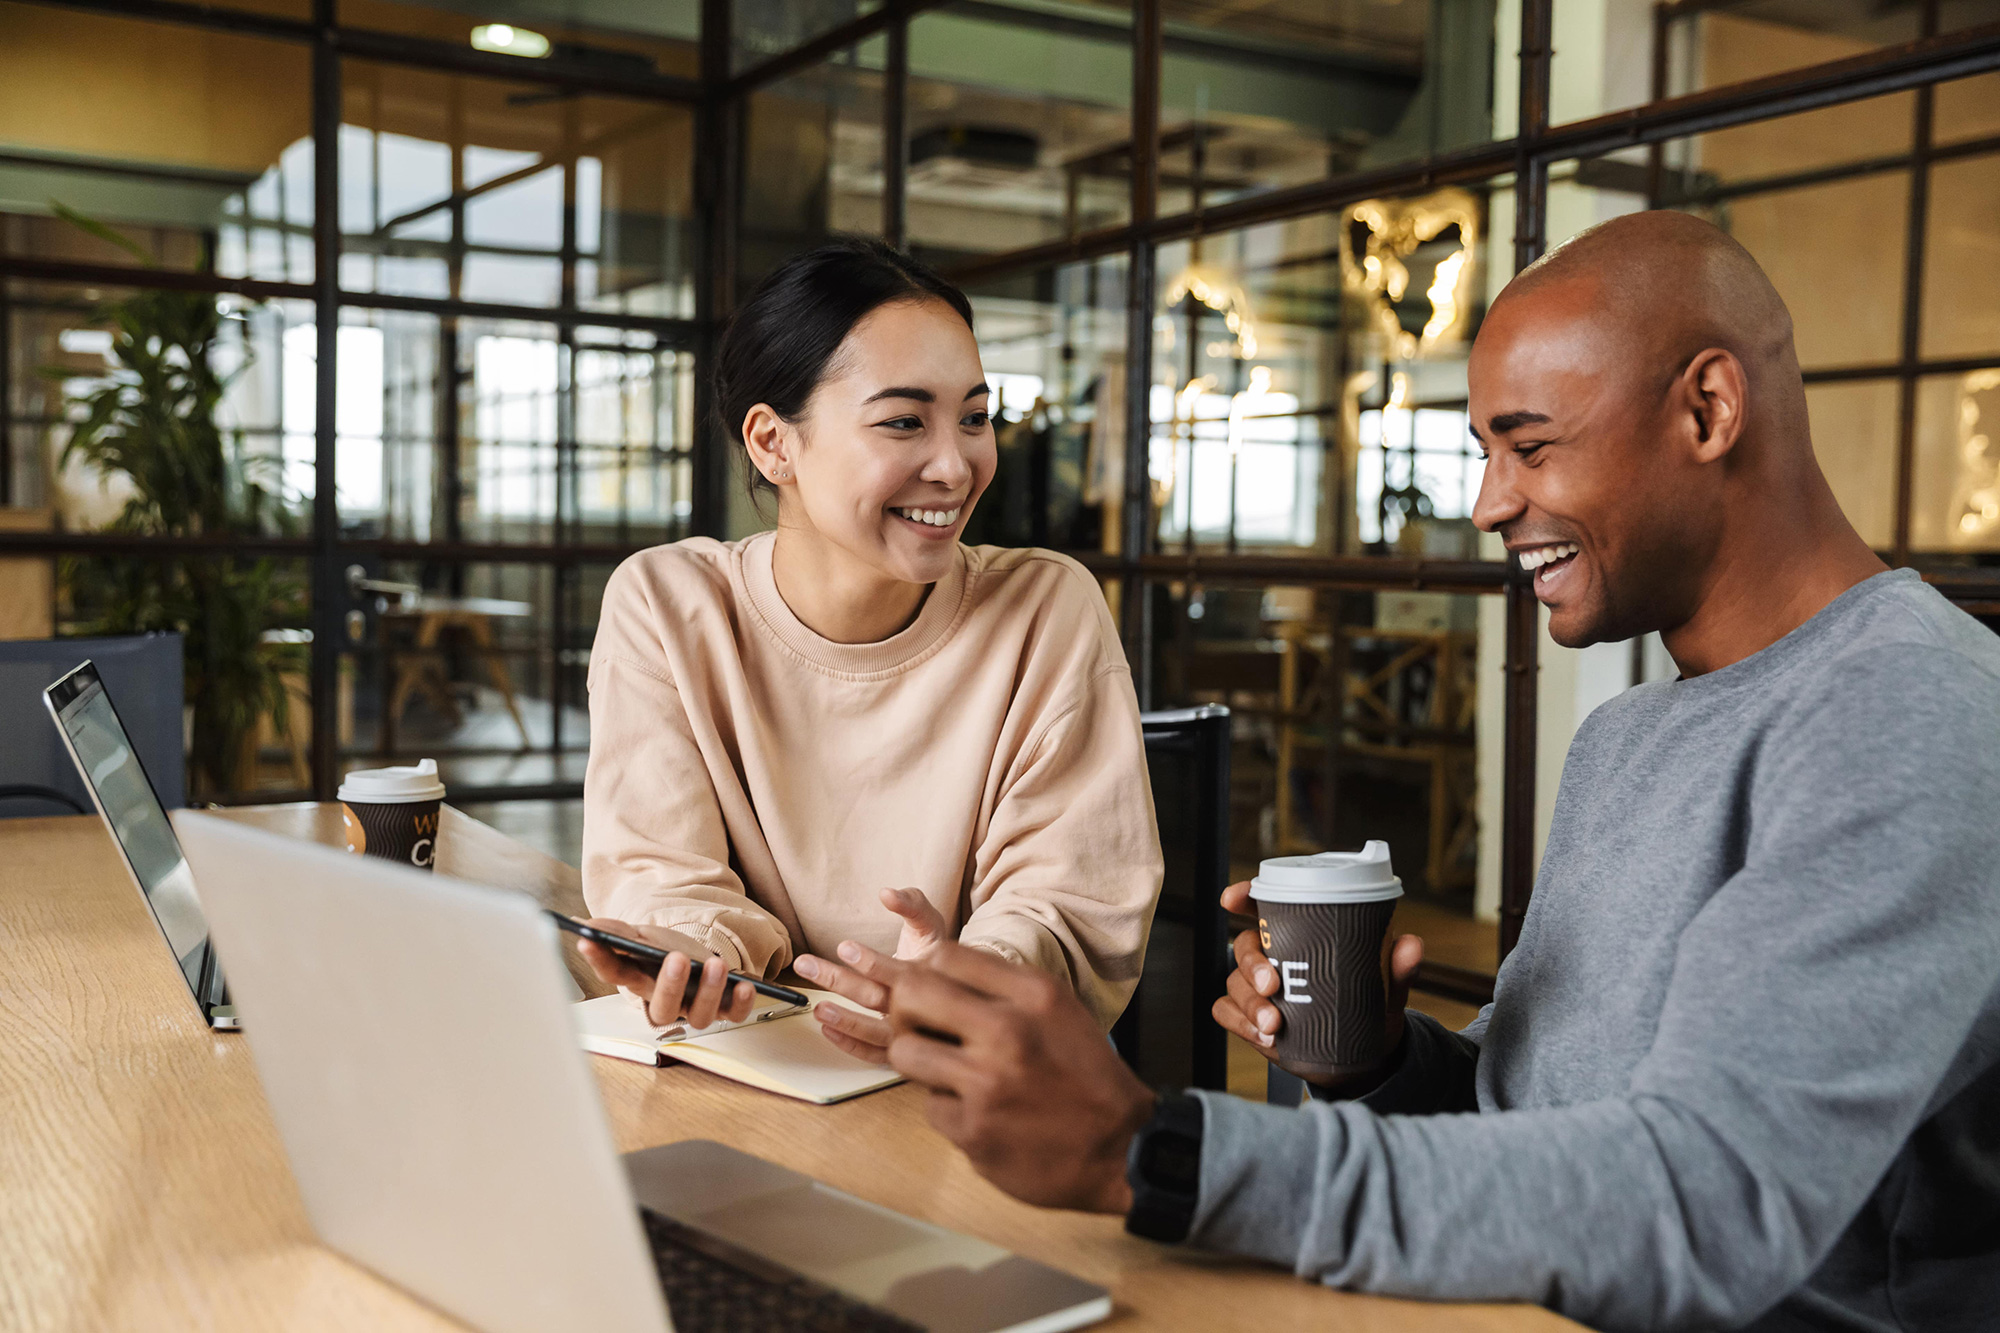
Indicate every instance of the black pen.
{"type": "Point", "coordinates": [650, 958]}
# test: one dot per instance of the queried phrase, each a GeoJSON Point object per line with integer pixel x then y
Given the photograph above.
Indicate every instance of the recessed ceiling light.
{"type": "Point", "coordinates": [509, 40]}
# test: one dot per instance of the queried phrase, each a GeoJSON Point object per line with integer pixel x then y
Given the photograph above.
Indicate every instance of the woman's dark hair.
{"type": "Point", "coordinates": [777, 346]}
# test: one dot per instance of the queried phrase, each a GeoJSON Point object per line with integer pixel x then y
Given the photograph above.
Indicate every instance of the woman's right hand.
{"type": "Point", "coordinates": [666, 995]}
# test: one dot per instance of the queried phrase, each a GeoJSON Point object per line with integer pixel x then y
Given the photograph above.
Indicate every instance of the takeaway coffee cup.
{"type": "Point", "coordinates": [393, 812]}
{"type": "Point", "coordinates": [1324, 922]}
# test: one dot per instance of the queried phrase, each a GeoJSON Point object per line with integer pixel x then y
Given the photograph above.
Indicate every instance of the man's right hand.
{"type": "Point", "coordinates": [1246, 1008]}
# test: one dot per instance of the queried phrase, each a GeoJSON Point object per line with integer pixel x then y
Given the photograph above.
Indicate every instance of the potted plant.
{"type": "Point", "coordinates": [152, 420]}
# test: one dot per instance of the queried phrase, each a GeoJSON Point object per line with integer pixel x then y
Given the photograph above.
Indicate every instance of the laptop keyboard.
{"type": "Point", "coordinates": [713, 1287]}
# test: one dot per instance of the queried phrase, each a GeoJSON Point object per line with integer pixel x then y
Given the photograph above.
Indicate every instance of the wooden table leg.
{"type": "Point", "coordinates": [481, 630]}
{"type": "Point", "coordinates": [420, 670]}
{"type": "Point", "coordinates": [387, 667]}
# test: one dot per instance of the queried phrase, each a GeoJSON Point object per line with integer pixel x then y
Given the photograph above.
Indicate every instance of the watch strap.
{"type": "Point", "coordinates": [1163, 1167]}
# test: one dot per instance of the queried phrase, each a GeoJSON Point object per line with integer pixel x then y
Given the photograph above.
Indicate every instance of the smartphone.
{"type": "Point", "coordinates": [649, 958]}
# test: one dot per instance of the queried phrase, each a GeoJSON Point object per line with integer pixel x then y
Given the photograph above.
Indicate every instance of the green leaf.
{"type": "Point", "coordinates": [102, 232]}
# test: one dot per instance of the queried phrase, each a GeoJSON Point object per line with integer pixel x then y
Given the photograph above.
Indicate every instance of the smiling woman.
{"type": "Point", "coordinates": [856, 727]}
{"type": "Point", "coordinates": [872, 491]}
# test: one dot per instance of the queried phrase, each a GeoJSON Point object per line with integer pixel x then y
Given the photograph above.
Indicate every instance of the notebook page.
{"type": "Point", "coordinates": [617, 1025]}
{"type": "Point", "coordinates": [790, 1058]}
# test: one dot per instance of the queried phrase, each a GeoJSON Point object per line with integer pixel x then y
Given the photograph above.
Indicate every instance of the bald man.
{"type": "Point", "coordinates": [1743, 1069]}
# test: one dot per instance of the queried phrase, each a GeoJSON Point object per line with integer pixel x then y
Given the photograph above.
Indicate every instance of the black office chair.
{"type": "Point", "coordinates": [1167, 1032]}
{"type": "Point", "coordinates": [141, 673]}
{"type": "Point", "coordinates": [30, 791]}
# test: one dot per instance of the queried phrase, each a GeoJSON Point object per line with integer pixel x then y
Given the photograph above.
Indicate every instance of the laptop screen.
{"type": "Point", "coordinates": [104, 753]}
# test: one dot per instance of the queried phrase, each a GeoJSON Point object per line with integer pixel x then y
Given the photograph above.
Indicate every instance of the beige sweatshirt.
{"type": "Point", "coordinates": [755, 785]}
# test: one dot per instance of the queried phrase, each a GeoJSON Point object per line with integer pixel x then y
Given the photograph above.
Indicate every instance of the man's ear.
{"type": "Point", "coordinates": [1715, 394]}
{"type": "Point", "coordinates": [769, 440]}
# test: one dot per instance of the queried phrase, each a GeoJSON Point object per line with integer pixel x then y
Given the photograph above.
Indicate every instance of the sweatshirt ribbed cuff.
{"type": "Point", "coordinates": [706, 933]}
{"type": "Point", "coordinates": [724, 945]}
{"type": "Point", "coordinates": [1256, 1161]}
{"type": "Point", "coordinates": [1433, 1073]}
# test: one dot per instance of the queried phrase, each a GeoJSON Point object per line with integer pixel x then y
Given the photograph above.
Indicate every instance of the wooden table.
{"type": "Point", "coordinates": [142, 1184]}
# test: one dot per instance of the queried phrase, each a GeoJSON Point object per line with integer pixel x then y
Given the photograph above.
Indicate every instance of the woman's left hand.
{"type": "Point", "coordinates": [924, 927]}
{"type": "Point", "coordinates": [859, 1034]}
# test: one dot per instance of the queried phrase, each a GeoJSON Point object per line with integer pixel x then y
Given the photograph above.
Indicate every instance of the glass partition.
{"type": "Point", "coordinates": [1605, 52]}
{"type": "Point", "coordinates": [812, 162]}
{"type": "Point", "coordinates": [763, 29]}
{"type": "Point", "coordinates": [462, 188]}
{"type": "Point", "coordinates": [66, 354]}
{"type": "Point", "coordinates": [657, 37]}
{"type": "Point", "coordinates": [1823, 201]}
{"type": "Point", "coordinates": [1284, 94]}
{"type": "Point", "coordinates": [1355, 716]}
{"type": "Point", "coordinates": [521, 247]}
{"type": "Point", "coordinates": [1807, 195]}
{"type": "Point", "coordinates": [194, 148]}
{"type": "Point", "coordinates": [1854, 435]}
{"type": "Point", "coordinates": [1961, 294]}
{"type": "Point", "coordinates": [244, 622]}
{"type": "Point", "coordinates": [1967, 109]}
{"type": "Point", "coordinates": [1955, 500]}
{"type": "Point", "coordinates": [1018, 132]}
{"type": "Point", "coordinates": [634, 430]}
{"type": "Point", "coordinates": [1309, 381]}
{"type": "Point", "coordinates": [1053, 344]}
{"type": "Point", "coordinates": [463, 675]}
{"type": "Point", "coordinates": [462, 429]}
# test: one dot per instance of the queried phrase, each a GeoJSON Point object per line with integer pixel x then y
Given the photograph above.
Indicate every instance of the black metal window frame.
{"type": "Point", "coordinates": [719, 99]}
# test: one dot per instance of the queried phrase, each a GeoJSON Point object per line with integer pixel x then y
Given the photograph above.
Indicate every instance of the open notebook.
{"type": "Point", "coordinates": [778, 1048]}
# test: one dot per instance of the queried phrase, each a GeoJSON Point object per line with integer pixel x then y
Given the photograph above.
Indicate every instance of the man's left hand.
{"type": "Point", "coordinates": [861, 1035]}
{"type": "Point", "coordinates": [1020, 1075]}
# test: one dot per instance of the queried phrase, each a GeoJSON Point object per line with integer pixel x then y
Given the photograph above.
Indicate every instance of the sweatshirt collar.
{"type": "Point", "coordinates": [935, 618]}
{"type": "Point", "coordinates": [1805, 639]}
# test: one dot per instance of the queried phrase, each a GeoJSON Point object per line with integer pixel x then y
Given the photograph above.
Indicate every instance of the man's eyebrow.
{"type": "Point", "coordinates": [901, 391]}
{"type": "Point", "coordinates": [1512, 421]}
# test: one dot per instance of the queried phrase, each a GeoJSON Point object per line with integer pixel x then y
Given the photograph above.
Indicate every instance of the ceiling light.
{"type": "Point", "coordinates": [509, 40]}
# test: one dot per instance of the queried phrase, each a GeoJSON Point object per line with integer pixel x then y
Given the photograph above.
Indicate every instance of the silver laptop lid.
{"type": "Point", "coordinates": [414, 1038]}
{"type": "Point", "coordinates": [103, 753]}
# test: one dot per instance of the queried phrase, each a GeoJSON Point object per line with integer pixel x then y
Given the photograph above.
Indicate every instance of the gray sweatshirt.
{"type": "Point", "coordinates": [1744, 1068]}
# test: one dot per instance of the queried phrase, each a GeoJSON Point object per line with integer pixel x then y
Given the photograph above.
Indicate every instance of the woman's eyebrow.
{"type": "Point", "coordinates": [975, 391]}
{"type": "Point", "coordinates": [901, 391]}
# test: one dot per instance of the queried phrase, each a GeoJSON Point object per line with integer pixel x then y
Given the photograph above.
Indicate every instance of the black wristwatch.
{"type": "Point", "coordinates": [1163, 1167]}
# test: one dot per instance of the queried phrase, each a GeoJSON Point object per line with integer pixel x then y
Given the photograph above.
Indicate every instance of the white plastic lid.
{"type": "Point", "coordinates": [408, 783]}
{"type": "Point", "coordinates": [1329, 877]}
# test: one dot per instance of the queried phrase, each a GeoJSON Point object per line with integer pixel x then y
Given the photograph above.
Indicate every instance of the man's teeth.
{"type": "Point", "coordinates": [1536, 556]}
{"type": "Point", "coordinates": [937, 518]}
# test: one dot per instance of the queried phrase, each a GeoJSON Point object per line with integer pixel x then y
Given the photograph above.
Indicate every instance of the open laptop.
{"type": "Point", "coordinates": [415, 1041]}
{"type": "Point", "coordinates": [125, 796]}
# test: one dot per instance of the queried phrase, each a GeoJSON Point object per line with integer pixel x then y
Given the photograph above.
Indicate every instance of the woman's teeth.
{"type": "Point", "coordinates": [1535, 557]}
{"type": "Point", "coordinates": [937, 518]}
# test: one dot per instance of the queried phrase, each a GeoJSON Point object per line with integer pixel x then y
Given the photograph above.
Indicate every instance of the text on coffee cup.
{"type": "Point", "coordinates": [1294, 975]}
